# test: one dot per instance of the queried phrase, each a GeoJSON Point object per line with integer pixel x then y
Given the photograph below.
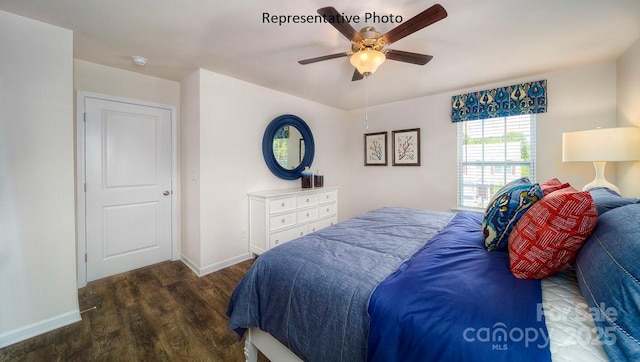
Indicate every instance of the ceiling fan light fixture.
{"type": "Point", "coordinates": [367, 61]}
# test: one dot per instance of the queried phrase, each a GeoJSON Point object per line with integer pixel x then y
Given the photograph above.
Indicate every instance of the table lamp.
{"type": "Point", "coordinates": [600, 146]}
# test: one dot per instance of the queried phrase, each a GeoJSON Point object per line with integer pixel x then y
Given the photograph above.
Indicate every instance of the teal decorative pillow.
{"type": "Point", "coordinates": [505, 209]}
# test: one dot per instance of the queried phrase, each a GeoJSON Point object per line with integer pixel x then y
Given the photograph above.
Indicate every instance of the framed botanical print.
{"type": "Point", "coordinates": [375, 149]}
{"type": "Point", "coordinates": [406, 147]}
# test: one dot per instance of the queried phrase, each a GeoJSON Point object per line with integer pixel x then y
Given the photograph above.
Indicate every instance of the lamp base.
{"type": "Point", "coordinates": [600, 180]}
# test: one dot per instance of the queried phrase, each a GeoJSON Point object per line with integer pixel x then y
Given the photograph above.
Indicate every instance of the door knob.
{"type": "Point", "coordinates": [166, 193]}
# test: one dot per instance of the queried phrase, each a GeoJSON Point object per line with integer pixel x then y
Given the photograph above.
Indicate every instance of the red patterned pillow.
{"type": "Point", "coordinates": [549, 235]}
{"type": "Point", "coordinates": [552, 185]}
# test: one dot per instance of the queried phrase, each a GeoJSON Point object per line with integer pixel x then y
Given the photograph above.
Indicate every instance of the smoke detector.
{"type": "Point", "coordinates": [138, 60]}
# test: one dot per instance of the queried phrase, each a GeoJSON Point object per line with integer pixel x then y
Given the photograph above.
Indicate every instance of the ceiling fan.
{"type": "Point", "coordinates": [368, 45]}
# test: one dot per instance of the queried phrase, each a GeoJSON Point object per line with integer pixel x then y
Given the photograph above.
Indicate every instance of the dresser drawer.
{"type": "Point", "coordinates": [277, 216]}
{"type": "Point", "coordinates": [308, 214]}
{"type": "Point", "coordinates": [321, 224]}
{"type": "Point", "coordinates": [327, 196]}
{"type": "Point", "coordinates": [282, 204]}
{"type": "Point", "coordinates": [307, 200]}
{"type": "Point", "coordinates": [326, 210]}
{"type": "Point", "coordinates": [281, 237]}
{"type": "Point", "coordinates": [282, 220]}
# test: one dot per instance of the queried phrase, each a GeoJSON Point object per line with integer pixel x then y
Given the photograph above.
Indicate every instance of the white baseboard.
{"type": "Point", "coordinates": [202, 271]}
{"type": "Point", "coordinates": [194, 268]}
{"type": "Point", "coordinates": [35, 329]}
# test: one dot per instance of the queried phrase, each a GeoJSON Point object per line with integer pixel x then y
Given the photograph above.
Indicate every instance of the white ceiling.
{"type": "Point", "coordinates": [479, 42]}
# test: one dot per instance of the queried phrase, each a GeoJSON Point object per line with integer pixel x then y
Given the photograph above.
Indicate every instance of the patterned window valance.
{"type": "Point", "coordinates": [517, 99]}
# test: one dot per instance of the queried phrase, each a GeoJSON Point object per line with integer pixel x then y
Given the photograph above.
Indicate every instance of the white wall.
{"type": "Point", "coordinates": [190, 166]}
{"type": "Point", "coordinates": [579, 98]}
{"type": "Point", "coordinates": [92, 77]}
{"type": "Point", "coordinates": [38, 290]}
{"type": "Point", "coordinates": [232, 118]}
{"type": "Point", "coordinates": [431, 185]}
{"type": "Point", "coordinates": [629, 115]}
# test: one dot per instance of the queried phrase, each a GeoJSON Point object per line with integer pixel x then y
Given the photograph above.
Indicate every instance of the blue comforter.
{"type": "Point", "coordinates": [312, 293]}
{"type": "Point", "coordinates": [454, 301]}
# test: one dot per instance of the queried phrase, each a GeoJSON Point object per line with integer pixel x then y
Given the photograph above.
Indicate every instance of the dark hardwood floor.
{"type": "Point", "coordinates": [159, 313]}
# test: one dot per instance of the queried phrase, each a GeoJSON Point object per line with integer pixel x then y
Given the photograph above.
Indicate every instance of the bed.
{"type": "Point", "coordinates": [409, 284]}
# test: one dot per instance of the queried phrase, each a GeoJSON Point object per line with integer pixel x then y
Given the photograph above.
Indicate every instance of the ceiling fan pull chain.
{"type": "Point", "coordinates": [366, 102]}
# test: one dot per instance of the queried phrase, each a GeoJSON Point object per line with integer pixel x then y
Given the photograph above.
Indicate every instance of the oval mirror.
{"type": "Point", "coordinates": [288, 146]}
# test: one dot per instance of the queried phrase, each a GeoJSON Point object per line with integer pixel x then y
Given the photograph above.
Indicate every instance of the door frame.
{"type": "Point", "coordinates": [81, 248]}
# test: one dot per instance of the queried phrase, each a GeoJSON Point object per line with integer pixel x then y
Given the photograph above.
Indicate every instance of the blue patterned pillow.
{"type": "Point", "coordinates": [505, 209]}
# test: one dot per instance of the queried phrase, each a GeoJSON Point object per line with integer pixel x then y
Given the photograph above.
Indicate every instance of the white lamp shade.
{"type": "Point", "coordinates": [367, 61]}
{"type": "Point", "coordinates": [602, 144]}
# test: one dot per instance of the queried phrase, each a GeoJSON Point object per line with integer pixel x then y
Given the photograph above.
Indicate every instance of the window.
{"type": "Point", "coordinates": [491, 153]}
{"type": "Point", "coordinates": [281, 146]}
{"type": "Point", "coordinates": [281, 150]}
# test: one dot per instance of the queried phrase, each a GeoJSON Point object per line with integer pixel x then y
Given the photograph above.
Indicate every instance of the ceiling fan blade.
{"type": "Point", "coordinates": [324, 57]}
{"type": "Point", "coordinates": [408, 57]}
{"type": "Point", "coordinates": [342, 25]}
{"type": "Point", "coordinates": [425, 18]}
{"type": "Point", "coordinates": [356, 75]}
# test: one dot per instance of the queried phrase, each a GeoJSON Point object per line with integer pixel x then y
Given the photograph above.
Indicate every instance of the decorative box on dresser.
{"type": "Point", "coordinates": [277, 216]}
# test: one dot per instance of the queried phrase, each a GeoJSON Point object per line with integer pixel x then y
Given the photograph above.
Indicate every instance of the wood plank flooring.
{"type": "Point", "coordinates": [159, 313]}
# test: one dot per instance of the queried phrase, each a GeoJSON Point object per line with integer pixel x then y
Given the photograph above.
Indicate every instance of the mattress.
{"type": "Point", "coordinates": [568, 319]}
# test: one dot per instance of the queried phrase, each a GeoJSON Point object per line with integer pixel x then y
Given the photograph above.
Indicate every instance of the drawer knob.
{"type": "Point", "coordinates": [307, 200]}
{"type": "Point", "coordinates": [301, 233]}
{"type": "Point", "coordinates": [283, 221]}
{"type": "Point", "coordinates": [327, 197]}
{"type": "Point", "coordinates": [277, 241]}
{"type": "Point", "coordinates": [307, 214]}
{"type": "Point", "coordinates": [283, 204]}
{"type": "Point", "coordinates": [314, 229]}
{"type": "Point", "coordinates": [327, 209]}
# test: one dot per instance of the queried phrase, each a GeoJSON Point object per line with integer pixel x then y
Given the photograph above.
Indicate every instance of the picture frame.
{"type": "Point", "coordinates": [406, 147]}
{"type": "Point", "coordinates": [375, 149]}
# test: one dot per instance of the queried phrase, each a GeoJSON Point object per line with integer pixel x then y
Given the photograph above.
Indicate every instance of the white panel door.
{"type": "Point", "coordinates": [128, 186]}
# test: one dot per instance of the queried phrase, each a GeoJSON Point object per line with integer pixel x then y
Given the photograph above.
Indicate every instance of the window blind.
{"type": "Point", "coordinates": [491, 153]}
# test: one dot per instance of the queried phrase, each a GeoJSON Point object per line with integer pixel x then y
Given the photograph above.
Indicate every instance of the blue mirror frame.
{"type": "Point", "coordinates": [267, 146]}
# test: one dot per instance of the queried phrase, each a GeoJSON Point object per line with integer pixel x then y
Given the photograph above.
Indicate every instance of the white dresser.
{"type": "Point", "coordinates": [277, 216]}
